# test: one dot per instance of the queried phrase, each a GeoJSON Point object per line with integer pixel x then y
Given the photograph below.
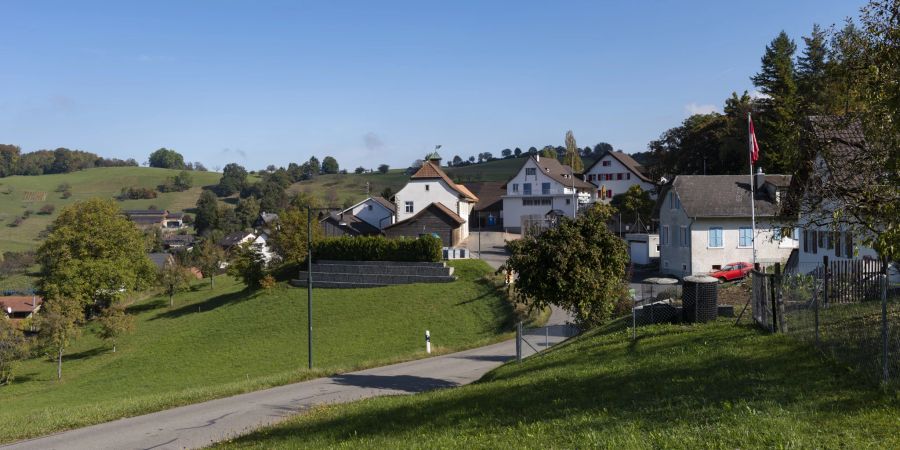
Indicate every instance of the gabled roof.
{"type": "Point", "coordinates": [351, 224]}
{"type": "Point", "coordinates": [723, 195]}
{"type": "Point", "coordinates": [627, 161]}
{"type": "Point", "coordinates": [430, 170]}
{"type": "Point", "coordinates": [145, 212]}
{"type": "Point", "coordinates": [20, 303]}
{"type": "Point", "coordinates": [161, 259]}
{"type": "Point", "coordinates": [435, 208]}
{"type": "Point", "coordinates": [557, 171]}
{"type": "Point", "coordinates": [390, 206]}
{"type": "Point", "coordinates": [235, 238]}
{"type": "Point", "coordinates": [490, 195]}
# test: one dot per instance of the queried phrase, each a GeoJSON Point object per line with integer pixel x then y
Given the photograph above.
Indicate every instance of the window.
{"type": "Point", "coordinates": [795, 235]}
{"type": "Point", "coordinates": [609, 193]}
{"type": "Point", "coordinates": [628, 176]}
{"type": "Point", "coordinates": [822, 238]}
{"type": "Point", "coordinates": [848, 243]}
{"type": "Point", "coordinates": [838, 248]}
{"type": "Point", "coordinates": [515, 187]}
{"type": "Point", "coordinates": [815, 241]}
{"type": "Point", "coordinates": [806, 234]}
{"type": "Point", "coordinates": [409, 207]}
{"type": "Point", "coordinates": [526, 188]}
{"type": "Point", "coordinates": [715, 237]}
{"type": "Point", "coordinates": [530, 171]}
{"type": "Point", "coordinates": [607, 163]}
{"type": "Point", "coordinates": [664, 236]}
{"type": "Point", "coordinates": [745, 237]}
{"type": "Point", "coordinates": [685, 237]}
{"type": "Point", "coordinates": [537, 201]}
{"type": "Point", "coordinates": [619, 176]}
{"type": "Point", "coordinates": [427, 187]}
{"type": "Point", "coordinates": [674, 202]}
{"type": "Point", "coordinates": [776, 234]}
{"type": "Point", "coordinates": [545, 188]}
{"type": "Point", "coordinates": [609, 177]}
{"type": "Point", "coordinates": [568, 201]}
{"type": "Point", "coordinates": [830, 237]}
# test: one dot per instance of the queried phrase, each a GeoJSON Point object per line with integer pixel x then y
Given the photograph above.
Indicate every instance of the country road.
{"type": "Point", "coordinates": [202, 424]}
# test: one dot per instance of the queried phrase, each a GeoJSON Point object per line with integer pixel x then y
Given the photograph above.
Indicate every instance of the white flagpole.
{"type": "Point", "coordinates": [752, 190]}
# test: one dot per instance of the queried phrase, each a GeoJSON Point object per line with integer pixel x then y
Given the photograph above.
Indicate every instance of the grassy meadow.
{"type": "Point", "coordinates": [225, 341]}
{"type": "Point", "coordinates": [22, 193]}
{"type": "Point", "coordinates": [702, 386]}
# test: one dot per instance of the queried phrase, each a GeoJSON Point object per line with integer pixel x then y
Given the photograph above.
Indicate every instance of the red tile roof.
{"type": "Point", "coordinates": [20, 303]}
{"type": "Point", "coordinates": [430, 170]}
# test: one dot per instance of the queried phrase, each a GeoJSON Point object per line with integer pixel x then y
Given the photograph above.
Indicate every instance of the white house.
{"type": "Point", "coordinates": [614, 173]}
{"type": "Point", "coordinates": [375, 211]}
{"type": "Point", "coordinates": [821, 236]}
{"type": "Point", "coordinates": [542, 186]}
{"type": "Point", "coordinates": [431, 185]}
{"type": "Point", "coordinates": [258, 241]}
{"type": "Point", "coordinates": [705, 222]}
{"type": "Point", "coordinates": [642, 247]}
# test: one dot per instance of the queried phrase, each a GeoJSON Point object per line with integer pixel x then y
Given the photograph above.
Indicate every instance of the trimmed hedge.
{"type": "Point", "coordinates": [378, 248]}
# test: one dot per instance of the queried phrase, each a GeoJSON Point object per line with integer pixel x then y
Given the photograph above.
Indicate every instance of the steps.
{"type": "Point", "coordinates": [364, 274]}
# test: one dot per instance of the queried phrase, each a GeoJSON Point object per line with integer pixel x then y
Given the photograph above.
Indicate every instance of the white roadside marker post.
{"type": "Point", "coordinates": [427, 341]}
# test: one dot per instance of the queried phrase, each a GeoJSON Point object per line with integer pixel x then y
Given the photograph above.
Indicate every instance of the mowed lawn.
{"type": "Point", "coordinates": [704, 386]}
{"type": "Point", "coordinates": [227, 341]}
{"type": "Point", "coordinates": [22, 193]}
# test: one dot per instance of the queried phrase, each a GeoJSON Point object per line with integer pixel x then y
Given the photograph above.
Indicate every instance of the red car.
{"type": "Point", "coordinates": [732, 271]}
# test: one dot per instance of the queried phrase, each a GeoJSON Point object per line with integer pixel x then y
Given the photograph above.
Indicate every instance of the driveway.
{"type": "Point", "coordinates": [489, 246]}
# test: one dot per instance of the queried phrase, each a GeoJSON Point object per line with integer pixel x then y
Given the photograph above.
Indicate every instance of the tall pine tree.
{"type": "Point", "coordinates": [777, 127]}
{"type": "Point", "coordinates": [812, 73]}
{"type": "Point", "coordinates": [572, 159]}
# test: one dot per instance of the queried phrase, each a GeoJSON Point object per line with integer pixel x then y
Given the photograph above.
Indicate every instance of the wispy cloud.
{"type": "Point", "coordinates": [694, 108]}
{"type": "Point", "coordinates": [372, 141]}
{"type": "Point", "coordinates": [236, 151]}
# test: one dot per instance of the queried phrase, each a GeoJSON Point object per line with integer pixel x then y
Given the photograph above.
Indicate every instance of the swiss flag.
{"type": "Point", "coordinates": [754, 145]}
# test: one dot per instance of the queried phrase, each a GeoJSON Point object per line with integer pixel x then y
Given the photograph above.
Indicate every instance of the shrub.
{"type": "Point", "coordinates": [66, 194]}
{"type": "Point", "coordinates": [378, 248]}
{"type": "Point", "coordinates": [17, 221]}
{"type": "Point", "coordinates": [137, 193]}
{"type": "Point", "coordinates": [64, 187]}
{"type": "Point", "coordinates": [27, 213]}
{"type": "Point", "coordinates": [47, 209]}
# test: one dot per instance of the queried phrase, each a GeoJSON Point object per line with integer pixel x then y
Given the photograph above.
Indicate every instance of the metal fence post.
{"type": "Point", "coordinates": [546, 337]}
{"type": "Point", "coordinates": [774, 301]}
{"type": "Point", "coordinates": [884, 323]}
{"type": "Point", "coordinates": [816, 309]}
{"type": "Point", "coordinates": [826, 276]}
{"type": "Point", "coordinates": [519, 342]}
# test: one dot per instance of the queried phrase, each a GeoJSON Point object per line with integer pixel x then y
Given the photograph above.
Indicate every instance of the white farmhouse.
{"type": "Point", "coordinates": [375, 211]}
{"type": "Point", "coordinates": [431, 185]}
{"type": "Point", "coordinates": [541, 187]}
{"type": "Point", "coordinates": [614, 173]}
{"type": "Point", "coordinates": [839, 147]}
{"type": "Point", "coordinates": [705, 222]}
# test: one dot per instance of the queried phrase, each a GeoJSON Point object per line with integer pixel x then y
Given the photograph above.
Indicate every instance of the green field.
{"type": "Point", "coordinates": [706, 386]}
{"type": "Point", "coordinates": [227, 341]}
{"type": "Point", "coordinates": [21, 193]}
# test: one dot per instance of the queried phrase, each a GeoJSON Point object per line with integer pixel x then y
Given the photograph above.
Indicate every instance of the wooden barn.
{"type": "Point", "coordinates": [435, 219]}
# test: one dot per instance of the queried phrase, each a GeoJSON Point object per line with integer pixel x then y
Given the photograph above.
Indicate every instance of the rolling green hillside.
{"type": "Point", "coordinates": [19, 194]}
{"type": "Point", "coordinates": [225, 341]}
{"type": "Point", "coordinates": [706, 386]}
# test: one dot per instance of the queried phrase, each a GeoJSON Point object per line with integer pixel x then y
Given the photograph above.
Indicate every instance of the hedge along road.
{"type": "Point", "coordinates": [202, 424]}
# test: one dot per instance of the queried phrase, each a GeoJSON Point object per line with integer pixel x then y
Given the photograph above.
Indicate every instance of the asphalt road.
{"type": "Point", "coordinates": [204, 423]}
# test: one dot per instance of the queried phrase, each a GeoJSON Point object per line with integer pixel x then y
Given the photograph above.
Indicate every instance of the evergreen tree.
{"type": "Point", "coordinates": [812, 72]}
{"type": "Point", "coordinates": [314, 167]}
{"type": "Point", "coordinates": [778, 129]}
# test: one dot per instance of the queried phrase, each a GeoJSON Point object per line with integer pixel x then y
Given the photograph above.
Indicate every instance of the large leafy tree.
{"type": "Point", "coordinates": [207, 215]}
{"type": "Point", "coordinates": [330, 165]}
{"type": "Point", "coordinates": [93, 255]}
{"type": "Point", "coordinates": [166, 159]}
{"type": "Point", "coordinates": [234, 179]}
{"type": "Point", "coordinates": [579, 266]}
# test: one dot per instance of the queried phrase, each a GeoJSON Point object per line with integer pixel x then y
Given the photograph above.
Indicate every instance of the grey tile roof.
{"type": "Point", "coordinates": [352, 225]}
{"type": "Point", "coordinates": [724, 195]}
{"type": "Point", "coordinates": [386, 203]}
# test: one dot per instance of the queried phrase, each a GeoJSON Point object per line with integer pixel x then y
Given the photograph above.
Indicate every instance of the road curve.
{"type": "Point", "coordinates": [202, 424]}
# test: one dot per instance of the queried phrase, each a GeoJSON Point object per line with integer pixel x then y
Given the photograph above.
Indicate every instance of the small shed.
{"type": "Point", "coordinates": [642, 247]}
{"type": "Point", "coordinates": [435, 219]}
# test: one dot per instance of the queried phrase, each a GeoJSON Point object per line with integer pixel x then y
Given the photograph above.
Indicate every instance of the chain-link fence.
{"type": "Point", "coordinates": [530, 341]}
{"type": "Point", "coordinates": [848, 309]}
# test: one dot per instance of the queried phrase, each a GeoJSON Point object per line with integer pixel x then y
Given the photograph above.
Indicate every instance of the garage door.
{"type": "Point", "coordinates": [639, 253]}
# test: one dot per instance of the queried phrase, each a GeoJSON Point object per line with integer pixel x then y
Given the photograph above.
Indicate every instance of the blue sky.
{"type": "Point", "coordinates": [263, 82]}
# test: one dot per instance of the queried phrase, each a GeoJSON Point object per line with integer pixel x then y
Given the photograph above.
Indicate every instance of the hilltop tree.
{"type": "Point", "coordinates": [314, 167]}
{"type": "Point", "coordinates": [166, 159]}
{"type": "Point", "coordinates": [9, 159]}
{"type": "Point", "coordinates": [207, 216]}
{"type": "Point", "coordinates": [234, 179]}
{"type": "Point", "coordinates": [572, 159]}
{"type": "Point", "coordinates": [548, 152]}
{"type": "Point", "coordinates": [115, 323]}
{"type": "Point", "coordinates": [330, 165]}
{"type": "Point", "coordinates": [506, 153]}
{"type": "Point", "coordinates": [578, 266]}
{"type": "Point", "coordinates": [532, 151]}
{"type": "Point", "coordinates": [383, 168]}
{"type": "Point", "coordinates": [92, 255]}
{"type": "Point", "coordinates": [517, 152]}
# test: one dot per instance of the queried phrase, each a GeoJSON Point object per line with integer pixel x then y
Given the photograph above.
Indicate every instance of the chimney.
{"type": "Point", "coordinates": [758, 179]}
{"type": "Point", "coordinates": [537, 158]}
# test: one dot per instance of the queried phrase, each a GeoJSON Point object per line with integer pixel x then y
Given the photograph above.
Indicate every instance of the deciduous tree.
{"type": "Point", "coordinates": [572, 159]}
{"type": "Point", "coordinates": [13, 348]}
{"type": "Point", "coordinates": [114, 323]}
{"type": "Point", "coordinates": [173, 279]}
{"type": "Point", "coordinates": [166, 159]}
